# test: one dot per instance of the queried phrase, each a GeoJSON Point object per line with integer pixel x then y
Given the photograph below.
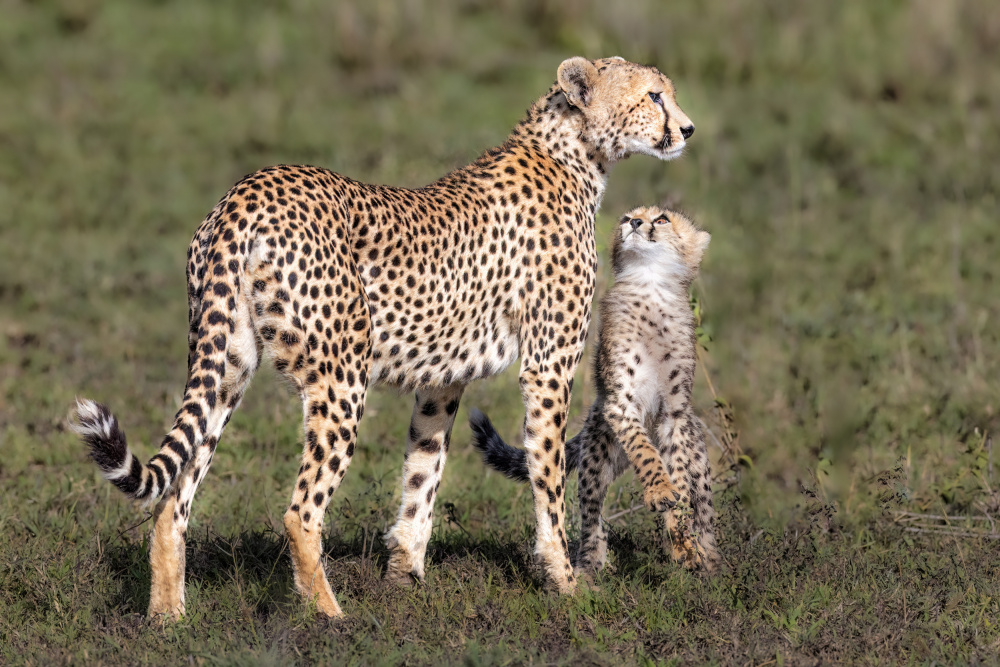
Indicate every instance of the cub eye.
{"type": "Point", "coordinates": [656, 98]}
{"type": "Point", "coordinates": [662, 220]}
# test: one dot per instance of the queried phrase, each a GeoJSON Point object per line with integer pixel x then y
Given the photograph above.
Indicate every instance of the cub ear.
{"type": "Point", "coordinates": [577, 77]}
{"type": "Point", "coordinates": [699, 244]}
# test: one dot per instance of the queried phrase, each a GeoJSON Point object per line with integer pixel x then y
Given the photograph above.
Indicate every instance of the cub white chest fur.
{"type": "Point", "coordinates": [646, 323]}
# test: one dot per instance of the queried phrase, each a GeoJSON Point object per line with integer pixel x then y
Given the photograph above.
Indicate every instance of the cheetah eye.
{"type": "Point", "coordinates": [661, 220]}
{"type": "Point", "coordinates": [656, 98]}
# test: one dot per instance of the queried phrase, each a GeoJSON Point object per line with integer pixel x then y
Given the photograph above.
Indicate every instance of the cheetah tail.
{"type": "Point", "coordinates": [200, 411]}
{"type": "Point", "coordinates": [100, 431]}
{"type": "Point", "coordinates": [508, 460]}
{"type": "Point", "coordinates": [212, 291]}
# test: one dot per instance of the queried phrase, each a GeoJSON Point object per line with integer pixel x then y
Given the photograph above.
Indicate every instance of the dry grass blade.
{"type": "Point", "coordinates": [728, 442]}
{"type": "Point", "coordinates": [943, 524]}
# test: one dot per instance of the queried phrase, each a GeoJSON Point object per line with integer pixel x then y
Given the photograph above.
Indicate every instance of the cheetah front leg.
{"type": "Point", "coordinates": [426, 450]}
{"type": "Point", "coordinates": [546, 403]}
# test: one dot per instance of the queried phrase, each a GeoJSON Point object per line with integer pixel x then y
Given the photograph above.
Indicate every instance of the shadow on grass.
{"type": "Point", "coordinates": [511, 558]}
{"type": "Point", "coordinates": [257, 560]}
{"type": "Point", "coordinates": [254, 558]}
{"type": "Point", "coordinates": [804, 589]}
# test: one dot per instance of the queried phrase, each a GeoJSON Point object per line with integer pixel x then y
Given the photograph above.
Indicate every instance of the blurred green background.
{"type": "Point", "coordinates": [844, 162]}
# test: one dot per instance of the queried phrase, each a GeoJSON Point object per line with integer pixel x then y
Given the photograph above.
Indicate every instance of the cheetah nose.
{"type": "Point", "coordinates": [686, 132]}
{"type": "Point", "coordinates": [635, 222]}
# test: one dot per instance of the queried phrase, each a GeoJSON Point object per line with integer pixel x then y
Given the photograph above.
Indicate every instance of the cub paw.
{"type": "Point", "coordinates": [686, 554]}
{"type": "Point", "coordinates": [586, 580]}
{"type": "Point", "coordinates": [689, 553]}
{"type": "Point", "coordinates": [660, 495]}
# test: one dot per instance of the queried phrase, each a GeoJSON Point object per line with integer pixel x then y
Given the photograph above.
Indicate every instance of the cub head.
{"type": "Point", "coordinates": [627, 108]}
{"type": "Point", "coordinates": [652, 243]}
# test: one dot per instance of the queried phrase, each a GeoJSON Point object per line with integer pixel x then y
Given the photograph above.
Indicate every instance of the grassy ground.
{"type": "Point", "coordinates": [845, 162]}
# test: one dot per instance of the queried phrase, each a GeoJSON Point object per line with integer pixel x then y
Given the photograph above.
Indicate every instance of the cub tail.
{"type": "Point", "coordinates": [504, 458]}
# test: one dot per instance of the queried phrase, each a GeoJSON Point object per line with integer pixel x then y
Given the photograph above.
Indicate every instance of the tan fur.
{"type": "Point", "coordinates": [306, 550]}
{"type": "Point", "coordinates": [166, 557]}
{"type": "Point", "coordinates": [346, 284]}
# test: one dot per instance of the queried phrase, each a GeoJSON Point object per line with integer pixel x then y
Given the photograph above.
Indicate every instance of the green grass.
{"type": "Point", "coordinates": [845, 163]}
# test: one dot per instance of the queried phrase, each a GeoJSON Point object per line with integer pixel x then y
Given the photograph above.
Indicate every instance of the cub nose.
{"type": "Point", "coordinates": [686, 132]}
{"type": "Point", "coordinates": [635, 222]}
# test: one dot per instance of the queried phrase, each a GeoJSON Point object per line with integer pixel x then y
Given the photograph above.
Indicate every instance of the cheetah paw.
{"type": "Point", "coordinates": [401, 569]}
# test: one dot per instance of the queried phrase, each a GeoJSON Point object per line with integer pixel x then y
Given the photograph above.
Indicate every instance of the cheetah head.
{"type": "Point", "coordinates": [655, 243]}
{"type": "Point", "coordinates": [627, 108]}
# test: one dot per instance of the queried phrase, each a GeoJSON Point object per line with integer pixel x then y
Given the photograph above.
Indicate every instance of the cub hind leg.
{"type": "Point", "coordinates": [702, 506]}
{"type": "Point", "coordinates": [601, 462]}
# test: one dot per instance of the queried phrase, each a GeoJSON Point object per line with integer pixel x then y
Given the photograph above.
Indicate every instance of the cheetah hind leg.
{"type": "Point", "coordinates": [331, 432]}
{"type": "Point", "coordinates": [333, 404]}
{"type": "Point", "coordinates": [173, 512]}
{"type": "Point", "coordinates": [426, 450]}
{"type": "Point", "coordinates": [331, 427]}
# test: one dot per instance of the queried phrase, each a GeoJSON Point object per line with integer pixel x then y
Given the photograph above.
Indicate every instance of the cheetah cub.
{"type": "Point", "coordinates": [645, 366]}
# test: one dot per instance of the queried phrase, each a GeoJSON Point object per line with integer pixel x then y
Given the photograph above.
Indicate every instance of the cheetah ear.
{"type": "Point", "coordinates": [577, 77]}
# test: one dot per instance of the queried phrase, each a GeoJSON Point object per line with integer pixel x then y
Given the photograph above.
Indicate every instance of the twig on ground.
{"type": "Point", "coordinates": [135, 525]}
{"type": "Point", "coordinates": [941, 517]}
{"type": "Point", "coordinates": [729, 440]}
{"type": "Point", "coordinates": [946, 530]}
{"type": "Point", "coordinates": [728, 443]}
{"type": "Point", "coordinates": [621, 513]}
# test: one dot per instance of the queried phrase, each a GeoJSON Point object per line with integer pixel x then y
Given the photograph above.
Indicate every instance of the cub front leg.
{"type": "Point", "coordinates": [625, 419]}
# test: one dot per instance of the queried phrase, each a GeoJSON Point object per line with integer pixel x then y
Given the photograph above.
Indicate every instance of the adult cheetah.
{"type": "Point", "coordinates": [644, 369]}
{"type": "Point", "coordinates": [346, 284]}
